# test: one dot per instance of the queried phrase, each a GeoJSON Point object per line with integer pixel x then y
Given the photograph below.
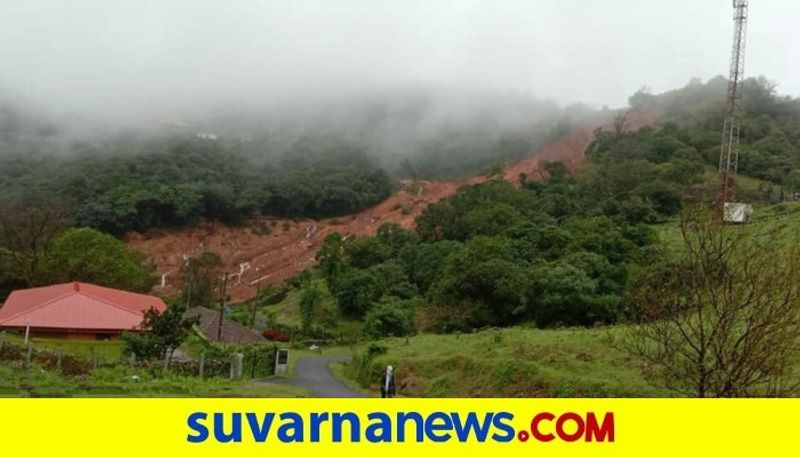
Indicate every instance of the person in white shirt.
{"type": "Point", "coordinates": [387, 383]}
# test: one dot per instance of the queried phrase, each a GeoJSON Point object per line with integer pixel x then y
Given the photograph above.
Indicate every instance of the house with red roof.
{"type": "Point", "coordinates": [76, 310]}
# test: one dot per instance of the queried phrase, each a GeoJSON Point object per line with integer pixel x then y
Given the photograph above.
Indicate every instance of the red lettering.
{"type": "Point", "coordinates": [543, 437]}
{"type": "Point", "coordinates": [590, 429]}
{"type": "Point", "coordinates": [604, 432]}
{"type": "Point", "coordinates": [567, 436]}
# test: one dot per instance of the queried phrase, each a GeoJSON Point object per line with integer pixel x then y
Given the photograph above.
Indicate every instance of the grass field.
{"type": "Point", "coordinates": [531, 362]}
{"type": "Point", "coordinates": [114, 379]}
{"type": "Point", "coordinates": [108, 351]}
{"type": "Point", "coordinates": [512, 362]}
{"type": "Point", "coordinates": [19, 381]}
{"type": "Point", "coordinates": [780, 221]}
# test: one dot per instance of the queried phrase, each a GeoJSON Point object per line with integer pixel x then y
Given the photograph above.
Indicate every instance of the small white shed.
{"type": "Point", "coordinates": [738, 213]}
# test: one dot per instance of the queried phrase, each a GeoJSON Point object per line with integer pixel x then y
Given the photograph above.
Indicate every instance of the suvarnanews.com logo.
{"type": "Point", "coordinates": [409, 426]}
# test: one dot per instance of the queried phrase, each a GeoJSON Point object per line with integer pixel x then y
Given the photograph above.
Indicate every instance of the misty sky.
{"type": "Point", "coordinates": [138, 55]}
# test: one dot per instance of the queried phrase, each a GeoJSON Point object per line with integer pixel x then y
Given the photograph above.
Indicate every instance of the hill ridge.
{"type": "Point", "coordinates": [270, 250]}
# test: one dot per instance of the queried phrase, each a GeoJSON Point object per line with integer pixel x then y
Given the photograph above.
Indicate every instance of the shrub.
{"type": "Point", "coordinates": [391, 316]}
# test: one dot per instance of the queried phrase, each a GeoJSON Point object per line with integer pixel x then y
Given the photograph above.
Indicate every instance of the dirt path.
{"type": "Point", "coordinates": [314, 373]}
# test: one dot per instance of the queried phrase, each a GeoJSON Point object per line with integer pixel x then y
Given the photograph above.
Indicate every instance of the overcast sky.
{"type": "Point", "coordinates": [148, 55]}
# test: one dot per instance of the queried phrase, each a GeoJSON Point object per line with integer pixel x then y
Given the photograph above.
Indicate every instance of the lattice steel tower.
{"type": "Point", "coordinates": [729, 156]}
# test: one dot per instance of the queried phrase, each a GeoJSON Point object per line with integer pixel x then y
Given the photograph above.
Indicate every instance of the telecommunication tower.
{"type": "Point", "coordinates": [729, 156]}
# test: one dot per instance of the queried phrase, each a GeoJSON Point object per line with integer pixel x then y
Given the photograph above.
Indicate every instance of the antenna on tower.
{"type": "Point", "coordinates": [729, 155]}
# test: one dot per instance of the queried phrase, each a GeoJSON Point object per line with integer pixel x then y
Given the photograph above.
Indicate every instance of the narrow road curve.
{"type": "Point", "coordinates": [314, 373]}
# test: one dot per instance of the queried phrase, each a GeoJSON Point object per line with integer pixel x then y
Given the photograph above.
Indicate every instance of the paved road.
{"type": "Point", "coordinates": [313, 373]}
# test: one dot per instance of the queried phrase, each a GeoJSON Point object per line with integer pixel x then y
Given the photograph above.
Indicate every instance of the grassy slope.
{"type": "Point", "coordinates": [16, 381]}
{"type": "Point", "coordinates": [287, 312]}
{"type": "Point", "coordinates": [513, 362]}
{"type": "Point", "coordinates": [781, 220]}
{"type": "Point", "coordinates": [530, 362]}
{"type": "Point", "coordinates": [107, 351]}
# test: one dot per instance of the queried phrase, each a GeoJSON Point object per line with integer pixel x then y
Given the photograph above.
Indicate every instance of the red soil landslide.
{"type": "Point", "coordinates": [291, 245]}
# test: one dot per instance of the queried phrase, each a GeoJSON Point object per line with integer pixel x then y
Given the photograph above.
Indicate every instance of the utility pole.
{"type": "Point", "coordinates": [223, 292]}
{"type": "Point", "coordinates": [729, 155]}
{"type": "Point", "coordinates": [27, 331]}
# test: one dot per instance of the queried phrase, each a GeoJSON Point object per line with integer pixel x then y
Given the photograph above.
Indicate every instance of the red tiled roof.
{"type": "Point", "coordinates": [77, 306]}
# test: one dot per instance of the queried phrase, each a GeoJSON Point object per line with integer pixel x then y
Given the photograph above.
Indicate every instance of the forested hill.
{"type": "Point", "coordinates": [691, 129]}
{"type": "Point", "coordinates": [229, 169]}
{"type": "Point", "coordinates": [171, 182]}
{"type": "Point", "coordinates": [340, 161]}
{"type": "Point", "coordinates": [567, 247]}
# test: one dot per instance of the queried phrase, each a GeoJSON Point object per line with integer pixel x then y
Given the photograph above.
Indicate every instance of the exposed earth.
{"type": "Point", "coordinates": [270, 250]}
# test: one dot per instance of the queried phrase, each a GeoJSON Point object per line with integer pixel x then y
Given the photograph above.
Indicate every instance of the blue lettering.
{"type": "Point", "coordinates": [236, 428]}
{"type": "Point", "coordinates": [355, 427]}
{"type": "Point", "coordinates": [194, 423]}
{"type": "Point", "coordinates": [260, 431]}
{"type": "Point", "coordinates": [431, 427]}
{"type": "Point", "coordinates": [402, 418]}
{"type": "Point", "coordinates": [463, 431]}
{"type": "Point", "coordinates": [316, 423]}
{"type": "Point", "coordinates": [295, 425]}
{"type": "Point", "coordinates": [498, 422]}
{"type": "Point", "coordinates": [383, 425]}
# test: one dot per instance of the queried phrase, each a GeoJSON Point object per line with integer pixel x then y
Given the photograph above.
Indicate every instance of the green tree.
{"type": "Point", "coordinates": [200, 276]}
{"type": "Point", "coordinates": [396, 237]}
{"type": "Point", "coordinates": [330, 258]}
{"type": "Point", "coordinates": [356, 292]}
{"type": "Point", "coordinates": [423, 262]}
{"type": "Point", "coordinates": [162, 333]}
{"type": "Point", "coordinates": [26, 233]}
{"type": "Point", "coordinates": [391, 316]}
{"type": "Point", "coordinates": [485, 280]}
{"type": "Point", "coordinates": [310, 299]}
{"type": "Point", "coordinates": [566, 295]}
{"type": "Point", "coordinates": [393, 279]}
{"type": "Point", "coordinates": [365, 251]}
{"type": "Point", "coordinates": [84, 254]}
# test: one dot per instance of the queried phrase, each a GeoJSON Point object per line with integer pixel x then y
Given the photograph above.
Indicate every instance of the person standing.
{"type": "Point", "coordinates": [387, 383]}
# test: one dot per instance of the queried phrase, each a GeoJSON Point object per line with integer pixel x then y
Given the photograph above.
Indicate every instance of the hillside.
{"type": "Point", "coordinates": [272, 249]}
{"type": "Point", "coordinates": [510, 362]}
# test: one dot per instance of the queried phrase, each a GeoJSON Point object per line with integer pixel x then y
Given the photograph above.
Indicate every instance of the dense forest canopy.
{"type": "Point", "coordinates": [563, 251]}
{"type": "Point", "coordinates": [300, 163]}
{"type": "Point", "coordinates": [770, 136]}
{"type": "Point", "coordinates": [558, 251]}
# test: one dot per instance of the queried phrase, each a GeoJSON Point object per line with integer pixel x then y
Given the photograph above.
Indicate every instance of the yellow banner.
{"type": "Point", "coordinates": [398, 427]}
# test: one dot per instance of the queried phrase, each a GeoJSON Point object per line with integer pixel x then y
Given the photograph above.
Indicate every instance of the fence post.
{"type": "Point", "coordinates": [29, 354]}
{"type": "Point", "coordinates": [237, 360]}
{"type": "Point", "coordinates": [132, 359]}
{"type": "Point", "coordinates": [58, 360]}
{"type": "Point", "coordinates": [202, 365]}
{"type": "Point", "coordinates": [94, 358]}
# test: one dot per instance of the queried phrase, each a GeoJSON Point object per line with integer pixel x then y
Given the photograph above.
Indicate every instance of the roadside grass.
{"type": "Point", "coordinates": [511, 362]}
{"type": "Point", "coordinates": [339, 370]}
{"type": "Point", "coordinates": [116, 379]}
{"type": "Point", "coordinates": [108, 351]}
{"type": "Point", "coordinates": [19, 381]}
